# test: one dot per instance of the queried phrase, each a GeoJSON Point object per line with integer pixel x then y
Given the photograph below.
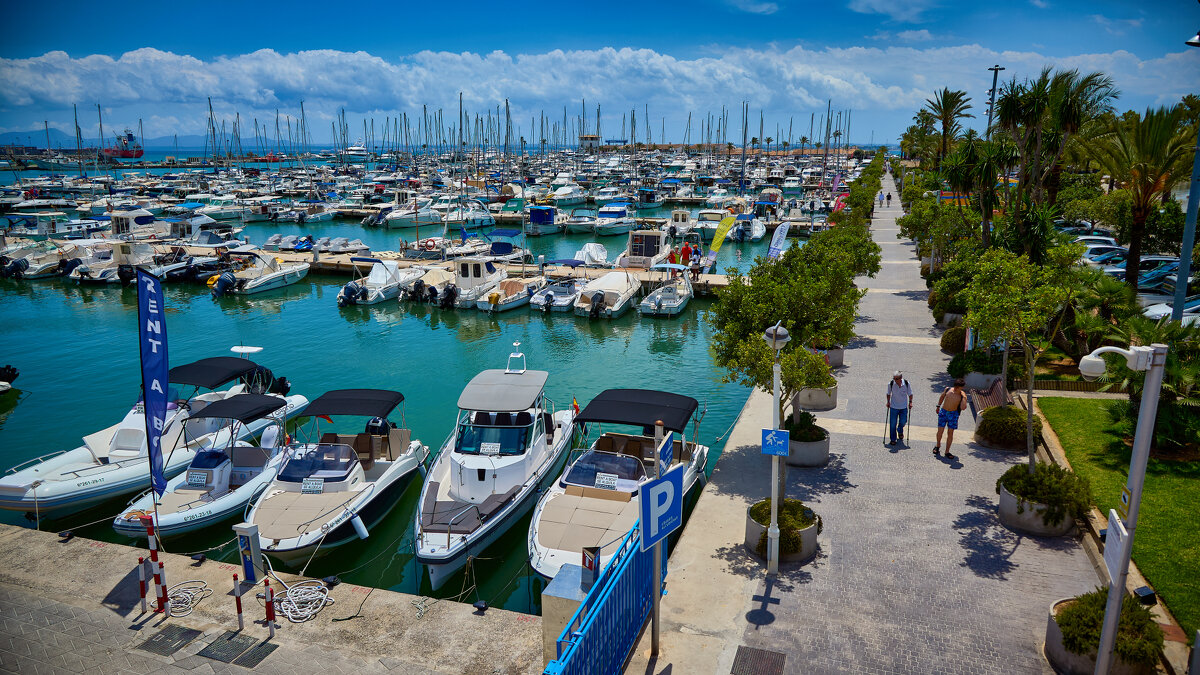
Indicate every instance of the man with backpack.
{"type": "Point", "coordinates": [899, 403]}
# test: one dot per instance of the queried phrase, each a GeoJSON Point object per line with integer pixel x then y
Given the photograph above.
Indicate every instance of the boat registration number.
{"type": "Point", "coordinates": [197, 478]}
{"type": "Point", "coordinates": [489, 448]}
{"type": "Point", "coordinates": [606, 481]}
{"type": "Point", "coordinates": [312, 486]}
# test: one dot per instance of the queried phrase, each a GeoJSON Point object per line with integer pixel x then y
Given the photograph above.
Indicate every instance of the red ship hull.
{"type": "Point", "coordinates": [123, 153]}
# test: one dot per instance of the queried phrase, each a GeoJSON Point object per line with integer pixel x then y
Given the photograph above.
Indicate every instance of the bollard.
{"type": "Point", "coordinates": [142, 582]}
{"type": "Point", "coordinates": [160, 587]}
{"type": "Point", "coordinates": [160, 581]}
{"type": "Point", "coordinates": [270, 608]}
{"type": "Point", "coordinates": [237, 599]}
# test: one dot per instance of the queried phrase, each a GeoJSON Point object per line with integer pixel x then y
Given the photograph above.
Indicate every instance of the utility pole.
{"type": "Point", "coordinates": [992, 102]}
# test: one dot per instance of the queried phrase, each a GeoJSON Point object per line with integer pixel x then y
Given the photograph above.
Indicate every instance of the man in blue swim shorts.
{"type": "Point", "coordinates": [951, 404]}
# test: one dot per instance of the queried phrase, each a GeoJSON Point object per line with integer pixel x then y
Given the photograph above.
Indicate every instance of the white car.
{"type": "Point", "coordinates": [1096, 250]}
{"type": "Point", "coordinates": [1191, 310]}
{"type": "Point", "coordinates": [1164, 293]}
{"type": "Point", "coordinates": [1093, 240]}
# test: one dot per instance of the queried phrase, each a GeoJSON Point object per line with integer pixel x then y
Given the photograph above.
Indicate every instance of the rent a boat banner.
{"type": "Point", "coordinates": [152, 337]}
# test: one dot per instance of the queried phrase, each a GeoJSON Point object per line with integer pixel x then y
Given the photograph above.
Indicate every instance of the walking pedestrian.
{"type": "Point", "coordinates": [889, 200]}
{"type": "Point", "coordinates": [950, 405]}
{"type": "Point", "coordinates": [881, 199]}
{"type": "Point", "coordinates": [899, 403]}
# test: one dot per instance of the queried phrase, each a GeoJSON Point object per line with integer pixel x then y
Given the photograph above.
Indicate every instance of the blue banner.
{"type": "Point", "coordinates": [778, 240]}
{"type": "Point", "coordinates": [152, 339]}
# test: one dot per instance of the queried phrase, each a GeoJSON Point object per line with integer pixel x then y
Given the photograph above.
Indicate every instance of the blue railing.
{"type": "Point", "coordinates": [607, 623]}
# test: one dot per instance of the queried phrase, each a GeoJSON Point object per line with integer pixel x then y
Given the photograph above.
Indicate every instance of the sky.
{"type": "Point", "coordinates": [877, 61]}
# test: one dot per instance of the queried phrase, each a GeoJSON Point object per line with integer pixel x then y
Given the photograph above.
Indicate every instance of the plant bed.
{"type": "Point", "coordinates": [808, 444]}
{"type": "Point", "coordinates": [816, 399]}
{"type": "Point", "coordinates": [1003, 428]}
{"type": "Point", "coordinates": [1073, 636]}
{"type": "Point", "coordinates": [798, 530]}
{"type": "Point", "coordinates": [1045, 503]}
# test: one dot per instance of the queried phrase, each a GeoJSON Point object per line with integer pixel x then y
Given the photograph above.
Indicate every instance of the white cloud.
{"type": "Point", "coordinates": [755, 7]}
{"type": "Point", "coordinates": [1116, 26]}
{"type": "Point", "coordinates": [908, 11]}
{"type": "Point", "coordinates": [915, 35]}
{"type": "Point", "coordinates": [1040, 4]}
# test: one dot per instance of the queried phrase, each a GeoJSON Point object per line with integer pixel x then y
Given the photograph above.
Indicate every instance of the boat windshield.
{"type": "Point", "coordinates": [208, 459]}
{"type": "Point", "coordinates": [328, 462]}
{"type": "Point", "coordinates": [494, 434]}
{"type": "Point", "coordinates": [588, 469]}
{"type": "Point", "coordinates": [710, 217]}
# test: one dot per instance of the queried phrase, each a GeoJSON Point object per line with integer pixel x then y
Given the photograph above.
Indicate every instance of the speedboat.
{"type": "Point", "coordinates": [113, 461]}
{"type": "Point", "coordinates": [681, 223]}
{"type": "Point", "coordinates": [609, 296]}
{"type": "Point", "coordinates": [595, 502]}
{"type": "Point", "coordinates": [430, 286]}
{"type": "Point", "coordinates": [511, 293]}
{"type": "Point", "coordinates": [385, 281]}
{"type": "Point", "coordinates": [608, 195]}
{"type": "Point", "coordinates": [542, 220]}
{"type": "Point", "coordinates": [568, 195]}
{"type": "Point", "coordinates": [469, 215]}
{"type": "Point", "coordinates": [308, 212]}
{"type": "Point", "coordinates": [746, 228]}
{"type": "Point", "coordinates": [130, 256]}
{"type": "Point", "coordinates": [581, 221]}
{"type": "Point", "coordinates": [508, 441]}
{"type": "Point", "coordinates": [614, 219]}
{"type": "Point", "coordinates": [417, 213]}
{"type": "Point", "coordinates": [646, 249]}
{"type": "Point", "coordinates": [220, 481]}
{"type": "Point", "coordinates": [256, 274]}
{"type": "Point", "coordinates": [671, 296]}
{"type": "Point", "coordinates": [333, 491]}
{"type": "Point", "coordinates": [707, 222]}
{"type": "Point", "coordinates": [557, 297]}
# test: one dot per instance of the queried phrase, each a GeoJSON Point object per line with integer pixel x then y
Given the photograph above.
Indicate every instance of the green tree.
{"type": "Point", "coordinates": [948, 107]}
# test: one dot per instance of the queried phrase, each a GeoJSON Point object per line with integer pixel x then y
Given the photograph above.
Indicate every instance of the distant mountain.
{"type": "Point", "coordinates": [60, 139]}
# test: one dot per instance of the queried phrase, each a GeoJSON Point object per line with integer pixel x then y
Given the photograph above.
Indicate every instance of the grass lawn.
{"type": "Point", "coordinates": [1167, 544]}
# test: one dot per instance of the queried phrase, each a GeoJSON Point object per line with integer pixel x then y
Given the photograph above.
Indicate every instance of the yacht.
{"type": "Point", "coordinates": [707, 222]}
{"type": "Point", "coordinates": [470, 215]}
{"type": "Point", "coordinates": [614, 219]}
{"type": "Point", "coordinates": [220, 481]}
{"type": "Point", "coordinates": [257, 273]}
{"type": "Point", "coordinates": [681, 223]}
{"type": "Point", "coordinates": [384, 281]}
{"type": "Point", "coordinates": [671, 295]}
{"type": "Point", "coordinates": [608, 195]}
{"type": "Point", "coordinates": [335, 490]}
{"type": "Point", "coordinates": [595, 502]}
{"type": "Point", "coordinates": [568, 195]}
{"type": "Point", "coordinates": [417, 213]}
{"type": "Point", "coordinates": [507, 442]}
{"type": "Point", "coordinates": [581, 221]}
{"type": "Point", "coordinates": [646, 249]}
{"type": "Point", "coordinates": [609, 296]}
{"type": "Point", "coordinates": [542, 220]}
{"type": "Point", "coordinates": [114, 461]}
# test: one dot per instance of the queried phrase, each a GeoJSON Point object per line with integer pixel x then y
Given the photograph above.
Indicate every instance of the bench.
{"type": "Point", "coordinates": [994, 396]}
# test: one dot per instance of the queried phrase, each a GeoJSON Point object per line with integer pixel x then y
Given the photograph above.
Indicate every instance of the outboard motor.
{"type": "Point", "coordinates": [280, 385]}
{"type": "Point", "coordinates": [448, 297]}
{"type": "Point", "coordinates": [548, 301]}
{"type": "Point", "coordinates": [349, 294]}
{"type": "Point", "coordinates": [672, 232]}
{"type": "Point", "coordinates": [432, 295]}
{"type": "Point", "coordinates": [301, 217]}
{"type": "Point", "coordinates": [67, 266]}
{"type": "Point", "coordinates": [15, 269]}
{"type": "Point", "coordinates": [417, 290]}
{"type": "Point", "coordinates": [597, 305]}
{"type": "Point", "coordinates": [379, 426]}
{"type": "Point", "coordinates": [127, 274]}
{"type": "Point", "coordinates": [8, 374]}
{"type": "Point", "coordinates": [223, 283]}
{"type": "Point", "coordinates": [274, 217]}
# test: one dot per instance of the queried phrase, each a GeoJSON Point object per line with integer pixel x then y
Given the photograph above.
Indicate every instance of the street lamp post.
{"type": "Point", "coordinates": [1189, 228]}
{"type": "Point", "coordinates": [776, 337]}
{"type": "Point", "coordinates": [992, 103]}
{"type": "Point", "coordinates": [1151, 361]}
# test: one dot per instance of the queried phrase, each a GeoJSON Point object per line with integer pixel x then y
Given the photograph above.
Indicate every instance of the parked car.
{"type": "Point", "coordinates": [1090, 240]}
{"type": "Point", "coordinates": [1096, 250]}
{"type": "Point", "coordinates": [1148, 264]}
{"type": "Point", "coordinates": [1164, 293]}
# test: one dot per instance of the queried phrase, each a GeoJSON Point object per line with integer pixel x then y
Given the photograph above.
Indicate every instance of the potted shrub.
{"type": "Point", "coordinates": [1003, 428]}
{"type": "Point", "coordinates": [808, 443]}
{"type": "Point", "coordinates": [1045, 501]}
{"type": "Point", "coordinates": [1073, 636]}
{"type": "Point", "coordinates": [979, 367]}
{"type": "Point", "coordinates": [798, 529]}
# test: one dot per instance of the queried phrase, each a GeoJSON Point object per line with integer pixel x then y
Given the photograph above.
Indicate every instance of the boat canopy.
{"type": "Point", "coordinates": [212, 372]}
{"type": "Point", "coordinates": [503, 233]}
{"type": "Point", "coordinates": [243, 407]}
{"type": "Point", "coordinates": [570, 262]}
{"type": "Point", "coordinates": [502, 391]}
{"type": "Point", "coordinates": [363, 402]}
{"type": "Point", "coordinates": [640, 407]}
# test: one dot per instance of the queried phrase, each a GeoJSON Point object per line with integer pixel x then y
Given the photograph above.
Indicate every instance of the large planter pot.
{"type": "Point", "coordinates": [808, 541]}
{"type": "Point", "coordinates": [1069, 663]}
{"type": "Point", "coordinates": [950, 320]}
{"type": "Point", "coordinates": [1026, 516]}
{"type": "Point", "coordinates": [816, 399]}
{"type": "Point", "coordinates": [980, 380]}
{"type": "Point", "coordinates": [835, 356]}
{"type": "Point", "coordinates": [988, 443]}
{"type": "Point", "coordinates": [809, 453]}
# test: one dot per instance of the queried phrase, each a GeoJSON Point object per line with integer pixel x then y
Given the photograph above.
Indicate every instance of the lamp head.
{"type": "Point", "coordinates": [1092, 367]}
{"type": "Point", "coordinates": [776, 336]}
{"type": "Point", "coordinates": [1194, 41]}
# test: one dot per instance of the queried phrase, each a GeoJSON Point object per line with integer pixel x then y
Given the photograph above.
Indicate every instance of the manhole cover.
{"type": "Point", "coordinates": [256, 654]}
{"type": "Point", "coordinates": [169, 640]}
{"type": "Point", "coordinates": [228, 647]}
{"type": "Point", "coordinates": [751, 661]}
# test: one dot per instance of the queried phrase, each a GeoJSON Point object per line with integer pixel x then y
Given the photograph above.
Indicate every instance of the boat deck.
{"type": "Point", "coordinates": [583, 517]}
{"type": "Point", "coordinates": [284, 515]}
{"type": "Point", "coordinates": [444, 514]}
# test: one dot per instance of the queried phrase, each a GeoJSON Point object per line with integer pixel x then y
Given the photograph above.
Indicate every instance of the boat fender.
{"type": "Point", "coordinates": [493, 299]}
{"type": "Point", "coordinates": [359, 527]}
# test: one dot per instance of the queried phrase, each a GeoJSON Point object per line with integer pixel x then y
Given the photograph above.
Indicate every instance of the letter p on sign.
{"type": "Point", "coordinates": [661, 507]}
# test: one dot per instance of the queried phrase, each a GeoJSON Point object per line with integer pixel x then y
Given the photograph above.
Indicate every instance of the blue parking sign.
{"type": "Point", "coordinates": [775, 442]}
{"type": "Point", "coordinates": [661, 507]}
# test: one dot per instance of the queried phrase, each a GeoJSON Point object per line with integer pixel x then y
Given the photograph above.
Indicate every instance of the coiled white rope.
{"type": "Point", "coordinates": [183, 597]}
{"type": "Point", "coordinates": [303, 600]}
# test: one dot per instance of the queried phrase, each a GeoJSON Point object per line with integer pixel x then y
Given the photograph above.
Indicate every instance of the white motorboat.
{"type": "Point", "coordinates": [543, 220]}
{"type": "Point", "coordinates": [384, 281]}
{"type": "Point", "coordinates": [557, 297]}
{"type": "Point", "coordinates": [595, 502]}
{"type": "Point", "coordinates": [707, 222]}
{"type": "Point", "coordinates": [614, 219]}
{"type": "Point", "coordinates": [468, 215]}
{"type": "Point", "coordinates": [609, 296]}
{"type": "Point", "coordinates": [507, 442]}
{"type": "Point", "coordinates": [569, 195]}
{"type": "Point", "coordinates": [418, 213]}
{"type": "Point", "coordinates": [113, 461]}
{"type": "Point", "coordinates": [308, 212]}
{"type": "Point", "coordinates": [128, 257]}
{"type": "Point", "coordinates": [746, 228]}
{"type": "Point", "coordinates": [473, 279]}
{"type": "Point", "coordinates": [257, 273]}
{"type": "Point", "coordinates": [430, 285]}
{"type": "Point", "coordinates": [511, 293]}
{"type": "Point", "coordinates": [669, 297]}
{"type": "Point", "coordinates": [581, 221]}
{"type": "Point", "coordinates": [646, 249]}
{"type": "Point", "coordinates": [593, 255]}
{"type": "Point", "coordinates": [608, 195]}
{"type": "Point", "coordinates": [681, 223]}
{"type": "Point", "coordinates": [220, 481]}
{"type": "Point", "coordinates": [334, 491]}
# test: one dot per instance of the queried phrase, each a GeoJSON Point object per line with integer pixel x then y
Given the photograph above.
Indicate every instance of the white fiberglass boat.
{"type": "Point", "coordinates": [746, 228]}
{"type": "Point", "coordinates": [646, 249]}
{"type": "Point", "coordinates": [613, 219]}
{"type": "Point", "coordinates": [511, 293]}
{"type": "Point", "coordinates": [595, 502]}
{"type": "Point", "coordinates": [581, 221]}
{"type": "Point", "coordinates": [257, 273]}
{"type": "Point", "coordinates": [557, 297]}
{"type": "Point", "coordinates": [671, 296]}
{"type": "Point", "coordinates": [114, 461]}
{"type": "Point", "coordinates": [473, 279]}
{"type": "Point", "coordinates": [543, 220]}
{"type": "Point", "coordinates": [707, 222]}
{"type": "Point", "coordinates": [385, 281]}
{"type": "Point", "coordinates": [507, 442]}
{"type": "Point", "coordinates": [219, 482]}
{"type": "Point", "coordinates": [609, 296]}
{"type": "Point", "coordinates": [333, 491]}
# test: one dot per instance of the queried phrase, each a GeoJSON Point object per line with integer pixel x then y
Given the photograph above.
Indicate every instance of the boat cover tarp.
{"type": "Point", "coordinates": [640, 407]}
{"type": "Point", "coordinates": [504, 233]}
{"type": "Point", "coordinates": [364, 402]}
{"type": "Point", "coordinates": [212, 372]}
{"type": "Point", "coordinates": [500, 391]}
{"type": "Point", "coordinates": [244, 408]}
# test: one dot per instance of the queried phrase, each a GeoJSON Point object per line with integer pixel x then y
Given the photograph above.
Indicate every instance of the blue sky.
{"type": "Point", "coordinates": [880, 58]}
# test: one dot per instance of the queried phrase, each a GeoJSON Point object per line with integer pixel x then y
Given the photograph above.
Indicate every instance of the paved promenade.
{"type": "Point", "coordinates": [915, 574]}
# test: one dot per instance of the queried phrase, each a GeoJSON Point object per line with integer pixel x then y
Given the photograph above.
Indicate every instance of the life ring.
{"type": "Point", "coordinates": [429, 244]}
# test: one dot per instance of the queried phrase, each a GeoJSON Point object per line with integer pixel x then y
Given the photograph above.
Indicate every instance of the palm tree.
{"type": "Point", "coordinates": [754, 141]}
{"type": "Point", "coordinates": [768, 140]}
{"type": "Point", "coordinates": [803, 143]}
{"type": "Point", "coordinates": [948, 107]}
{"type": "Point", "coordinates": [1149, 155]}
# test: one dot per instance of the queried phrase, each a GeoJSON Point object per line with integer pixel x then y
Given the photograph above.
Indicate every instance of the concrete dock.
{"type": "Point", "coordinates": [72, 607]}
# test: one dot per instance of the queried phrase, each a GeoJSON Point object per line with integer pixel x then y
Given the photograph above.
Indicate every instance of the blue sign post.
{"type": "Point", "coordinates": [152, 337]}
{"type": "Point", "coordinates": [661, 507]}
{"type": "Point", "coordinates": [775, 442]}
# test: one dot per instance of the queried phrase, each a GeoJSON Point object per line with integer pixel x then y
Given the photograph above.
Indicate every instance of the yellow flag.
{"type": "Point", "coordinates": [722, 230]}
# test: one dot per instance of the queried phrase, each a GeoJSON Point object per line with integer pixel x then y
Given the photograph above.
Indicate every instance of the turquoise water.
{"type": "Point", "coordinates": [76, 350]}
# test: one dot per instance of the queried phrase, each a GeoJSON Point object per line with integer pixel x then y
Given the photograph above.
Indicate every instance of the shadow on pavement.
{"type": "Point", "coordinates": [122, 597]}
{"type": "Point", "coordinates": [809, 484]}
{"type": "Point", "coordinates": [989, 545]}
{"type": "Point", "coordinates": [921, 295]}
{"type": "Point", "coordinates": [860, 342]}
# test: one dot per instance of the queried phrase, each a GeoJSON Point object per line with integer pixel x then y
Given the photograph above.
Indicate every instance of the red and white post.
{"type": "Point", "coordinates": [160, 588]}
{"type": "Point", "coordinates": [142, 582]}
{"type": "Point", "coordinates": [237, 599]}
{"type": "Point", "coordinates": [270, 608]}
